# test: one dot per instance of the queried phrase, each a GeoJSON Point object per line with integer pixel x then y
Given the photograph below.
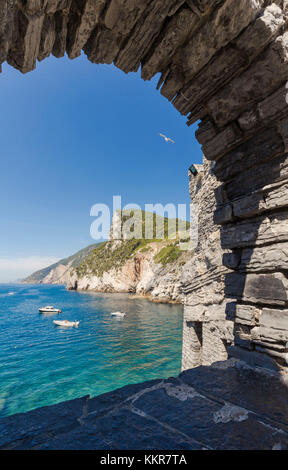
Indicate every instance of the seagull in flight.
{"type": "Point", "coordinates": [167, 139]}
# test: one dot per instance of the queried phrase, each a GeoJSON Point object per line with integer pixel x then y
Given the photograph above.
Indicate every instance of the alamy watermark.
{"type": "Point", "coordinates": [154, 222]}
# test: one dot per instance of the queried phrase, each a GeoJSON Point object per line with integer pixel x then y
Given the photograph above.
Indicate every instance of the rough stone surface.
{"type": "Point", "coordinates": [140, 275]}
{"type": "Point", "coordinates": [206, 328]}
{"type": "Point", "coordinates": [245, 409]}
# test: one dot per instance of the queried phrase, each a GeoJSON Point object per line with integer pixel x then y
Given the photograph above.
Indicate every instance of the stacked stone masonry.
{"type": "Point", "coordinates": [225, 63]}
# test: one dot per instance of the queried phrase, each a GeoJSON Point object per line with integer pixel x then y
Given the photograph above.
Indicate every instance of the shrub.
{"type": "Point", "coordinates": [168, 254]}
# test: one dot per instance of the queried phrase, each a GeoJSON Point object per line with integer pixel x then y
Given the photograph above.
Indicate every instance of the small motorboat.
{"type": "Point", "coordinates": [118, 314]}
{"type": "Point", "coordinates": [11, 293]}
{"type": "Point", "coordinates": [65, 323]}
{"type": "Point", "coordinates": [49, 309]}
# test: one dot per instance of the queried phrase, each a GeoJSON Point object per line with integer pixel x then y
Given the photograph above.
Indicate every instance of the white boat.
{"type": "Point", "coordinates": [11, 293]}
{"type": "Point", "coordinates": [65, 323]}
{"type": "Point", "coordinates": [49, 309]}
{"type": "Point", "coordinates": [118, 314]}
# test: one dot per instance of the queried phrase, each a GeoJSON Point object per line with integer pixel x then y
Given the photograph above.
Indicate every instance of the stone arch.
{"type": "Point", "coordinates": [224, 63]}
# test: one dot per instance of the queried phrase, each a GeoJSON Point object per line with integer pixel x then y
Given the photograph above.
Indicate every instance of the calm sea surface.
{"type": "Point", "coordinates": [42, 364]}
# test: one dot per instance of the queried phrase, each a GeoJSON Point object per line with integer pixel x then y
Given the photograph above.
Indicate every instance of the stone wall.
{"type": "Point", "coordinates": [207, 331]}
{"type": "Point", "coordinates": [236, 292]}
{"type": "Point", "coordinates": [225, 63]}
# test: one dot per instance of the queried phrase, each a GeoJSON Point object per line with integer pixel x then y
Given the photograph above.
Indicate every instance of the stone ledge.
{"type": "Point", "coordinates": [225, 406]}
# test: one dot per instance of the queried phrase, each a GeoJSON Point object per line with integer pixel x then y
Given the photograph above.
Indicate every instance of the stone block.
{"type": "Point", "coordinates": [26, 430]}
{"type": "Point", "coordinates": [275, 319]}
{"type": "Point", "coordinates": [262, 78]}
{"type": "Point", "coordinates": [247, 315]}
{"type": "Point", "coordinates": [258, 288]}
{"type": "Point", "coordinates": [257, 359]}
{"type": "Point", "coordinates": [269, 258]}
{"type": "Point", "coordinates": [256, 231]}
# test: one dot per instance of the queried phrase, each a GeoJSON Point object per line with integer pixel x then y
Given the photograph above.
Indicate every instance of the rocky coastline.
{"type": "Point", "coordinates": [147, 268]}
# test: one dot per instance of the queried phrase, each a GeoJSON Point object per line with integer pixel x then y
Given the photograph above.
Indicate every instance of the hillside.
{"type": "Point", "coordinates": [146, 268]}
{"type": "Point", "coordinates": [150, 267]}
{"type": "Point", "coordinates": [61, 266]}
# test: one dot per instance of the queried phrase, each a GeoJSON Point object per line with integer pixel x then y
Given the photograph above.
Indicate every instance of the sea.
{"type": "Point", "coordinates": [43, 364]}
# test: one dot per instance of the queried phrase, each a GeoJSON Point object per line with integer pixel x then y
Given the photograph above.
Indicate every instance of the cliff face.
{"type": "Point", "coordinates": [150, 268]}
{"type": "Point", "coordinates": [145, 272]}
{"type": "Point", "coordinates": [59, 275]}
{"type": "Point", "coordinates": [143, 266]}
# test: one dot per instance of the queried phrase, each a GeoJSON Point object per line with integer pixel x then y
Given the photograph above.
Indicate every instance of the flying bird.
{"type": "Point", "coordinates": [167, 139]}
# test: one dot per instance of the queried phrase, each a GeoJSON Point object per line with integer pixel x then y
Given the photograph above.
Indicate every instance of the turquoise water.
{"type": "Point", "coordinates": [42, 364]}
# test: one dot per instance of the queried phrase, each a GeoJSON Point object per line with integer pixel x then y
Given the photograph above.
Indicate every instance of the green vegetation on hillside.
{"type": "Point", "coordinates": [104, 258]}
{"type": "Point", "coordinates": [151, 222]}
{"type": "Point", "coordinates": [99, 258]}
{"type": "Point", "coordinates": [168, 254]}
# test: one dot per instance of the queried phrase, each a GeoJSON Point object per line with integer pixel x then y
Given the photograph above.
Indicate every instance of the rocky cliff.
{"type": "Point", "coordinates": [149, 267]}
{"type": "Point", "coordinates": [144, 271]}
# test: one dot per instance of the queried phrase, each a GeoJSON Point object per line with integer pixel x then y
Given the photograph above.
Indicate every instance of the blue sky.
{"type": "Point", "coordinates": [74, 134]}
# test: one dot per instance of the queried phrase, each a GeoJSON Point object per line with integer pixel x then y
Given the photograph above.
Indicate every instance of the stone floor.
{"type": "Point", "coordinates": [225, 406]}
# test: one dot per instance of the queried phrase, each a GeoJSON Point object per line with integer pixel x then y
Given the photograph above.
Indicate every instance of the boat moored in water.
{"type": "Point", "coordinates": [49, 309]}
{"type": "Point", "coordinates": [65, 323]}
{"type": "Point", "coordinates": [118, 314]}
